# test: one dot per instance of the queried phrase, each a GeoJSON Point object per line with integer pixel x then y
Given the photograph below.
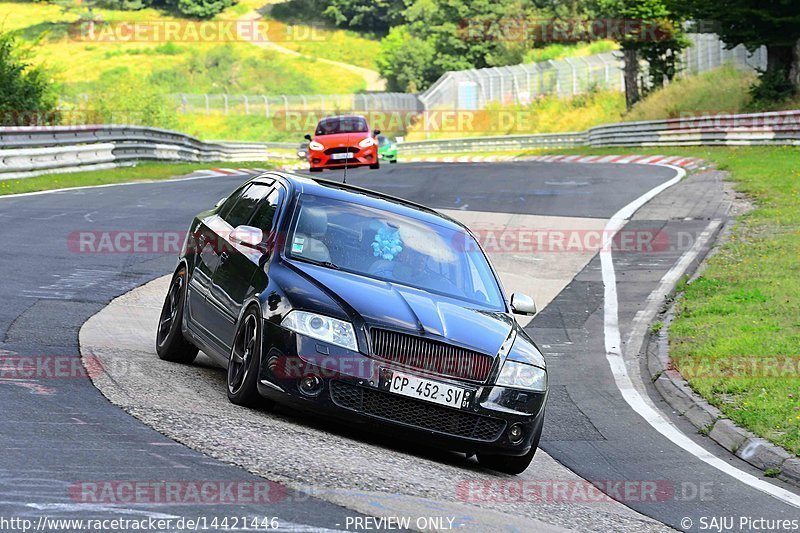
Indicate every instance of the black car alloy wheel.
{"type": "Point", "coordinates": [244, 361]}
{"type": "Point", "coordinates": [171, 345]}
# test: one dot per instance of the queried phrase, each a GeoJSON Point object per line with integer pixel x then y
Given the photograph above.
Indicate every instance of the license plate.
{"type": "Point", "coordinates": [346, 155]}
{"type": "Point", "coordinates": [426, 389]}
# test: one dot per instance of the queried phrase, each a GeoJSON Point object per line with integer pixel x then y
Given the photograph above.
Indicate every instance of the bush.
{"type": "Point", "coordinates": [773, 87]}
{"type": "Point", "coordinates": [202, 9]}
{"type": "Point", "coordinates": [27, 96]}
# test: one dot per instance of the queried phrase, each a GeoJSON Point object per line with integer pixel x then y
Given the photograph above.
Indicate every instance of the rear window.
{"type": "Point", "coordinates": [333, 125]}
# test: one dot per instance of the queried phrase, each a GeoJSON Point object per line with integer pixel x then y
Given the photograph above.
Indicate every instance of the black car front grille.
{"type": "Point", "coordinates": [416, 413]}
{"type": "Point", "coordinates": [430, 356]}
{"type": "Point", "coordinates": [341, 150]}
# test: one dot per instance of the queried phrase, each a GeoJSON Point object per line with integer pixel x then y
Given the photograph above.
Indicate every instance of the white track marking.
{"type": "Point", "coordinates": [617, 363]}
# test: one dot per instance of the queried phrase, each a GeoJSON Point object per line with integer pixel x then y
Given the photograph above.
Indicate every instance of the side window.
{"type": "Point", "coordinates": [240, 212]}
{"type": "Point", "coordinates": [228, 204]}
{"type": "Point", "coordinates": [264, 217]}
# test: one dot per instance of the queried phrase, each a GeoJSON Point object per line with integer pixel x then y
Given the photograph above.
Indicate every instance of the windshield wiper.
{"type": "Point", "coordinates": [328, 264]}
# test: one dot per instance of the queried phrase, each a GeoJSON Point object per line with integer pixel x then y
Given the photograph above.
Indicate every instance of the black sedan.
{"type": "Point", "coordinates": [344, 301]}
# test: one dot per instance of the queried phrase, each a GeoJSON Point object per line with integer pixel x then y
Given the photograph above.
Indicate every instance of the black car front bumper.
{"type": "Point", "coordinates": [354, 387]}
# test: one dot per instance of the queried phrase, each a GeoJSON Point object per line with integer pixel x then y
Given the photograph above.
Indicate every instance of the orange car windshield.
{"type": "Point", "coordinates": [334, 125]}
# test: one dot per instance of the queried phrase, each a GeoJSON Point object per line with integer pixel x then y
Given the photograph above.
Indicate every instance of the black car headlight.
{"type": "Point", "coordinates": [518, 375]}
{"type": "Point", "coordinates": [323, 328]}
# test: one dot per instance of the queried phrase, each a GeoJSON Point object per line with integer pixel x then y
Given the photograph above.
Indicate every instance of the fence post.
{"type": "Point", "coordinates": [246, 105]}
{"type": "Point", "coordinates": [225, 97]}
{"type": "Point", "coordinates": [208, 108]}
{"type": "Point", "coordinates": [285, 104]}
{"type": "Point", "coordinates": [266, 106]}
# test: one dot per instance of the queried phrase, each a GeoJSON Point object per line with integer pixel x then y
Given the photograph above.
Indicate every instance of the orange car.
{"type": "Point", "coordinates": [341, 141]}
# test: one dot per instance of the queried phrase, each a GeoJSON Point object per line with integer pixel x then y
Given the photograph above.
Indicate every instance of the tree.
{"type": "Point", "coordinates": [649, 30]}
{"type": "Point", "coordinates": [27, 96]}
{"type": "Point", "coordinates": [368, 15]}
{"type": "Point", "coordinates": [753, 23]}
{"type": "Point", "coordinates": [405, 61]}
{"type": "Point", "coordinates": [443, 35]}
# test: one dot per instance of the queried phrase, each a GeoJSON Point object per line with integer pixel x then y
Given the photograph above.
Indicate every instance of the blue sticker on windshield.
{"type": "Point", "coordinates": [387, 243]}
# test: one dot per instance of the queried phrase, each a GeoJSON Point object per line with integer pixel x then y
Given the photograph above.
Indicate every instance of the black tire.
{"type": "Point", "coordinates": [312, 169]}
{"type": "Point", "coordinates": [242, 381]}
{"type": "Point", "coordinates": [171, 345]}
{"type": "Point", "coordinates": [511, 464]}
{"type": "Point", "coordinates": [375, 166]}
{"type": "Point", "coordinates": [393, 161]}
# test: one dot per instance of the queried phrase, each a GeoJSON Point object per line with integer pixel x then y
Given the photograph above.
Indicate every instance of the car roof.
{"type": "Point", "coordinates": [359, 195]}
{"type": "Point", "coordinates": [340, 117]}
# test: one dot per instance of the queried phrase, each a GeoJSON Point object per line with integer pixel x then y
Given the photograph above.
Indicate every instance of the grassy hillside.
{"type": "Point", "coordinates": [179, 67]}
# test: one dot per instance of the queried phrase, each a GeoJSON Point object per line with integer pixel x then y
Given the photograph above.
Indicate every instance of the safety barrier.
{"type": "Point", "coordinates": [34, 150]}
{"type": "Point", "coordinates": [774, 128]}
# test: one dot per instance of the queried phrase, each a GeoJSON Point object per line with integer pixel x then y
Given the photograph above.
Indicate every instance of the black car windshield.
{"type": "Point", "coordinates": [383, 245]}
{"type": "Point", "coordinates": [333, 125]}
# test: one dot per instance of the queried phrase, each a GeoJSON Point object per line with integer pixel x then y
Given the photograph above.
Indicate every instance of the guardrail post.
{"type": "Point", "coordinates": [266, 106]}
{"type": "Point", "coordinates": [246, 105]}
{"type": "Point", "coordinates": [208, 108]}
{"type": "Point", "coordinates": [285, 104]}
{"type": "Point", "coordinates": [225, 97]}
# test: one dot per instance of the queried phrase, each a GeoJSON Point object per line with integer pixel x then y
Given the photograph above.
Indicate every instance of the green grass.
{"type": "Point", "coordinates": [544, 115]}
{"type": "Point", "coordinates": [78, 63]}
{"type": "Point", "coordinates": [148, 171]}
{"type": "Point", "coordinates": [560, 51]}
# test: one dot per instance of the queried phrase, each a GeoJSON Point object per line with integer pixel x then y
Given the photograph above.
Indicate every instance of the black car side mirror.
{"type": "Point", "coordinates": [376, 132]}
{"type": "Point", "coordinates": [307, 137]}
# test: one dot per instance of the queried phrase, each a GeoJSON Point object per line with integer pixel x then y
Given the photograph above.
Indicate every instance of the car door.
{"type": "Point", "coordinates": [232, 281]}
{"type": "Point", "coordinates": [206, 246]}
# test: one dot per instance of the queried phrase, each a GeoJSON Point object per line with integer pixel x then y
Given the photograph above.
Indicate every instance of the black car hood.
{"type": "Point", "coordinates": [384, 304]}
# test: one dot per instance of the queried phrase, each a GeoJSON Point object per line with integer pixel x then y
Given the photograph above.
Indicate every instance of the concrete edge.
{"type": "Point", "coordinates": [710, 421]}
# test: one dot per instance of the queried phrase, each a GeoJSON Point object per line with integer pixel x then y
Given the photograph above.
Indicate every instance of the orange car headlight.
{"type": "Point", "coordinates": [366, 143]}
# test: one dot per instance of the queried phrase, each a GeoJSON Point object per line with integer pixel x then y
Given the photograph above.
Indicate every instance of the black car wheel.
{"type": "Point", "coordinates": [171, 345]}
{"type": "Point", "coordinates": [315, 169]}
{"type": "Point", "coordinates": [375, 166]}
{"type": "Point", "coordinates": [393, 161]}
{"type": "Point", "coordinates": [244, 361]}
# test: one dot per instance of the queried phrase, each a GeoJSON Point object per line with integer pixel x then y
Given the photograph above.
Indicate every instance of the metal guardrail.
{"type": "Point", "coordinates": [31, 151]}
{"type": "Point", "coordinates": [484, 144]}
{"type": "Point", "coordinates": [775, 128]}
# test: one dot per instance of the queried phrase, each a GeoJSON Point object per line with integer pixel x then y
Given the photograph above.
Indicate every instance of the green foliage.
{"type": "Point", "coordinates": [443, 35]}
{"type": "Point", "coordinates": [406, 61]}
{"type": "Point", "coordinates": [202, 9]}
{"type": "Point", "coordinates": [26, 94]}
{"type": "Point", "coordinates": [773, 87]}
{"type": "Point", "coordinates": [658, 39]}
{"type": "Point", "coordinates": [749, 22]}
{"type": "Point", "coordinates": [367, 15]}
{"type": "Point", "coordinates": [122, 97]}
